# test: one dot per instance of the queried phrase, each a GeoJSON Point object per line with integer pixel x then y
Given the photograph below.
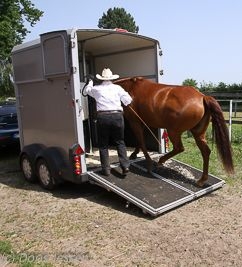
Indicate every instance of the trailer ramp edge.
{"type": "Point", "coordinates": [164, 189]}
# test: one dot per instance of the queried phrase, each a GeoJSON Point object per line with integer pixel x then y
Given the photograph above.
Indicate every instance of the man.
{"type": "Point", "coordinates": [110, 122]}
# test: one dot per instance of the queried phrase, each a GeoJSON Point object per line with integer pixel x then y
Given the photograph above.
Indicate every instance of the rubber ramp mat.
{"type": "Point", "coordinates": [181, 174]}
{"type": "Point", "coordinates": [161, 190]}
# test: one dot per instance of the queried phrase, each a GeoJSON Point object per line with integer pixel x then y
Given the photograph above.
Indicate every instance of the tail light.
{"type": "Point", "coordinates": [76, 152]}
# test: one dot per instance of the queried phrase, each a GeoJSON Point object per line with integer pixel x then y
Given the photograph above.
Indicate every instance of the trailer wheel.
{"type": "Point", "coordinates": [27, 168]}
{"type": "Point", "coordinates": [46, 178]}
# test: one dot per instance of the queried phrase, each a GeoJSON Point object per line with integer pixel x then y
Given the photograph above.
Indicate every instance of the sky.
{"type": "Point", "coordinates": [200, 39]}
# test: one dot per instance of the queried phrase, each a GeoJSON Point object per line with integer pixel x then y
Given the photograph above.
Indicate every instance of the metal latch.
{"type": "Point", "coordinates": [79, 106]}
{"type": "Point", "coordinates": [73, 44]}
{"type": "Point", "coordinates": [73, 70]}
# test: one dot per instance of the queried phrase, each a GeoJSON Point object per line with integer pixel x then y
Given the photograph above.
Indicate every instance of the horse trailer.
{"type": "Point", "coordinates": [57, 122]}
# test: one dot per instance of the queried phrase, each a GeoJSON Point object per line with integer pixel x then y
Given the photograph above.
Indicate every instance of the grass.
{"type": "Point", "coordinates": [192, 155]}
{"type": "Point", "coordinates": [8, 255]}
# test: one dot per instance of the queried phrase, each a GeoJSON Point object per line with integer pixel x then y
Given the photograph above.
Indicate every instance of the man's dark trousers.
{"type": "Point", "coordinates": [110, 127]}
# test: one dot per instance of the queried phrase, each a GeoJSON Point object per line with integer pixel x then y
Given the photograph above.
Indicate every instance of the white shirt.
{"type": "Point", "coordinates": [108, 96]}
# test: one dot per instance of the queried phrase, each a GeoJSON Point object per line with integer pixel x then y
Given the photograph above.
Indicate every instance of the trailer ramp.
{"type": "Point", "coordinates": [164, 189]}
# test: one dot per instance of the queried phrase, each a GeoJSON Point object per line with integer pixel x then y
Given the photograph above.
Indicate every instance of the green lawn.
{"type": "Point", "coordinates": [192, 155]}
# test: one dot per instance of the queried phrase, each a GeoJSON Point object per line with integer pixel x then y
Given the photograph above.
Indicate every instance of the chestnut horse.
{"type": "Point", "coordinates": [177, 109]}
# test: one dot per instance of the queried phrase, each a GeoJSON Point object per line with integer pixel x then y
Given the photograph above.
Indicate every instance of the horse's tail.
{"type": "Point", "coordinates": [220, 133]}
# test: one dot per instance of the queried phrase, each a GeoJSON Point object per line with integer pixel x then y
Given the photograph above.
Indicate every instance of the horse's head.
{"type": "Point", "coordinates": [128, 83]}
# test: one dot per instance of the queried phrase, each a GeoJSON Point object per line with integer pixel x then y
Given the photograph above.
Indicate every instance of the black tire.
{"type": "Point", "coordinates": [27, 168]}
{"type": "Point", "coordinates": [45, 175]}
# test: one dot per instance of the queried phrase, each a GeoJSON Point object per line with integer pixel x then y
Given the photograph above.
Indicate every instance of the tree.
{"type": "Point", "coordinates": [207, 87]}
{"type": "Point", "coordinates": [235, 87]}
{"type": "Point", "coordinates": [222, 87]}
{"type": "Point", "coordinates": [118, 18]}
{"type": "Point", "coordinates": [6, 86]}
{"type": "Point", "coordinates": [190, 82]}
{"type": "Point", "coordinates": [13, 15]}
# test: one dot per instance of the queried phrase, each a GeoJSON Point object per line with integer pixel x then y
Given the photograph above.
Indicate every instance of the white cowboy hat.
{"type": "Point", "coordinates": [107, 75]}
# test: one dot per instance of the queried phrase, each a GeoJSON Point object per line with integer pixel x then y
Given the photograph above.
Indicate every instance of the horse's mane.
{"type": "Point", "coordinates": [144, 80]}
{"type": "Point", "coordinates": [134, 79]}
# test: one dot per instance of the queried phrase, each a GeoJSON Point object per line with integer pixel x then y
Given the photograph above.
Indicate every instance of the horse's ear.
{"type": "Point", "coordinates": [135, 79]}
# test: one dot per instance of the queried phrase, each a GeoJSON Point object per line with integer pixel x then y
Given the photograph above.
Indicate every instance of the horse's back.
{"type": "Point", "coordinates": [175, 106]}
{"type": "Point", "coordinates": [173, 97]}
{"type": "Point", "coordinates": [150, 88]}
{"type": "Point", "coordinates": [165, 106]}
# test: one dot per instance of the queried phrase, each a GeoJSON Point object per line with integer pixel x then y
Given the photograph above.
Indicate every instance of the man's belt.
{"type": "Point", "coordinates": [108, 111]}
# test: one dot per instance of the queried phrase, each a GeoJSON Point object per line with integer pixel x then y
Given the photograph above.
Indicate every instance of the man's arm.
{"type": "Point", "coordinates": [125, 98]}
{"type": "Point", "coordinates": [88, 88]}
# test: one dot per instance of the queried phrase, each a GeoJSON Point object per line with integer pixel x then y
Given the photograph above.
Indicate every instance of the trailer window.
{"type": "Point", "coordinates": [55, 54]}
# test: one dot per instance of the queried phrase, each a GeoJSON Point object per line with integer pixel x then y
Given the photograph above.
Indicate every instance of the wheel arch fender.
{"type": "Point", "coordinates": [31, 151]}
{"type": "Point", "coordinates": [56, 159]}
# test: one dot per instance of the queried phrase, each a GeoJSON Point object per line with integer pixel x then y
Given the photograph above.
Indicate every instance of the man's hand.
{"type": "Point", "coordinates": [90, 83]}
{"type": "Point", "coordinates": [126, 102]}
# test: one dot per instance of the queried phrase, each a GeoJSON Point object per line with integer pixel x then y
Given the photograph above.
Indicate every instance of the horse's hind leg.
{"type": "Point", "coordinates": [176, 141]}
{"type": "Point", "coordinates": [199, 134]}
{"type": "Point", "coordinates": [205, 151]}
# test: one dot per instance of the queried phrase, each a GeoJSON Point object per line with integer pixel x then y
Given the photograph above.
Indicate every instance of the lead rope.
{"type": "Point", "coordinates": [145, 125]}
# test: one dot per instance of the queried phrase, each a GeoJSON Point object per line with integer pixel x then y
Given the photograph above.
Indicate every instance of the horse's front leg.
{"type": "Point", "coordinates": [149, 161]}
{"type": "Point", "coordinates": [176, 141]}
{"type": "Point", "coordinates": [138, 130]}
{"type": "Point", "coordinates": [135, 153]}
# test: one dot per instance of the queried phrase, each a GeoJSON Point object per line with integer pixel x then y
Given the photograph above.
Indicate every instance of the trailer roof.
{"type": "Point", "coordinates": [102, 41]}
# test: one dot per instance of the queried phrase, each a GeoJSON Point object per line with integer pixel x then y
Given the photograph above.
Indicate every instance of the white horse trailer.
{"type": "Point", "coordinates": [57, 123]}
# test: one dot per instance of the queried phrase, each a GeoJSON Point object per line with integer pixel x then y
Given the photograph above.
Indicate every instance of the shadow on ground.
{"type": "Point", "coordinates": [11, 176]}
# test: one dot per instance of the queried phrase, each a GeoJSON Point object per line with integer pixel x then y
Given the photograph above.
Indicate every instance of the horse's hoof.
{"type": "Point", "coordinates": [200, 183]}
{"type": "Point", "coordinates": [149, 167]}
{"type": "Point", "coordinates": [133, 156]}
{"type": "Point", "coordinates": [155, 164]}
{"type": "Point", "coordinates": [159, 164]}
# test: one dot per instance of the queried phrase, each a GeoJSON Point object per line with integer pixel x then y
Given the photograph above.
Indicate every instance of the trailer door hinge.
{"type": "Point", "coordinates": [73, 44]}
{"type": "Point", "coordinates": [73, 70]}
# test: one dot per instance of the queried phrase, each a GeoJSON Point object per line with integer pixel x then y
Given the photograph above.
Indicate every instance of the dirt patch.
{"type": "Point", "coordinates": [85, 225]}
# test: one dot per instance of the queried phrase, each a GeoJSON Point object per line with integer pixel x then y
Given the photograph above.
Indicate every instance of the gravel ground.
{"type": "Point", "coordinates": [85, 225]}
